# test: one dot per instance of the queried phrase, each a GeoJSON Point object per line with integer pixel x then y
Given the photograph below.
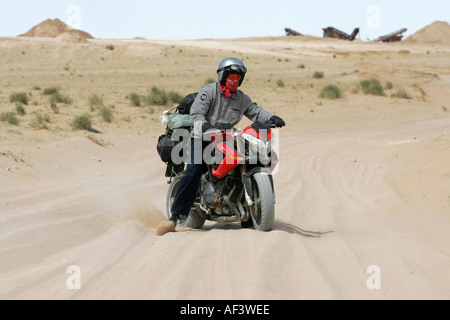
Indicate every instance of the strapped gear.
{"type": "Point", "coordinates": [231, 65]}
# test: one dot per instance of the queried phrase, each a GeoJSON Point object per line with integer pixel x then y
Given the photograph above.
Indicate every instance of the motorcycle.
{"type": "Point", "coordinates": [238, 185]}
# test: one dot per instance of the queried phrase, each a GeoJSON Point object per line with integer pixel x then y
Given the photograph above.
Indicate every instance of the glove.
{"type": "Point", "coordinates": [206, 126]}
{"type": "Point", "coordinates": [277, 121]}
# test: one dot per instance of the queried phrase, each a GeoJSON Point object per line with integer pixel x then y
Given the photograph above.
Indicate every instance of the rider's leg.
{"type": "Point", "coordinates": [187, 189]}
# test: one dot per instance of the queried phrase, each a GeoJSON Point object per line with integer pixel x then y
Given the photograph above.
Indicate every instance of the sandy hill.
{"type": "Point", "coordinates": [436, 33]}
{"type": "Point", "coordinates": [52, 29]}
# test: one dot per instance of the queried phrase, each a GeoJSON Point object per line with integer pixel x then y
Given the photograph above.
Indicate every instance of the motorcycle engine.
{"type": "Point", "coordinates": [212, 197]}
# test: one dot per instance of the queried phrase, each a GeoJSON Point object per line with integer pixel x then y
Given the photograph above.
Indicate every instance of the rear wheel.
{"type": "Point", "coordinates": [263, 209]}
{"type": "Point", "coordinates": [193, 220]}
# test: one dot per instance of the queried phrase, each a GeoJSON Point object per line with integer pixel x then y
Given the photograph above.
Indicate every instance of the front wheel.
{"type": "Point", "coordinates": [193, 220]}
{"type": "Point", "coordinates": [263, 209]}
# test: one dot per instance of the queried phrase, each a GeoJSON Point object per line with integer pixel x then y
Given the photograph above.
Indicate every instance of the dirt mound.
{"type": "Point", "coordinates": [436, 33]}
{"type": "Point", "coordinates": [71, 37]}
{"type": "Point", "coordinates": [52, 29]}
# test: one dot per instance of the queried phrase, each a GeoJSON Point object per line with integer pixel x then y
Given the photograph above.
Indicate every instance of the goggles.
{"type": "Point", "coordinates": [234, 76]}
{"type": "Point", "coordinates": [235, 68]}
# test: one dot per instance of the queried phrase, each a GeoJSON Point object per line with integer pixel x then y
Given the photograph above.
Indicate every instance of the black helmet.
{"type": "Point", "coordinates": [231, 65]}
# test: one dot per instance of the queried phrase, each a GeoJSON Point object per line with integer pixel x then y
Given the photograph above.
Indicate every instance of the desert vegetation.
{"type": "Point", "coordinates": [331, 92]}
{"type": "Point", "coordinates": [102, 86]}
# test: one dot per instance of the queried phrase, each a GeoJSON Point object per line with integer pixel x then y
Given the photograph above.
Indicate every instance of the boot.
{"type": "Point", "coordinates": [167, 226]}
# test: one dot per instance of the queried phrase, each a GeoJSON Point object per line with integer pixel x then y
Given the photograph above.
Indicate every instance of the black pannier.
{"type": "Point", "coordinates": [165, 146]}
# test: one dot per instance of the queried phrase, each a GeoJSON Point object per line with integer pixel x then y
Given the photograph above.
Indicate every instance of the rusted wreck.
{"type": "Point", "coordinates": [392, 37]}
{"type": "Point", "coordinates": [290, 32]}
{"type": "Point", "coordinates": [331, 32]}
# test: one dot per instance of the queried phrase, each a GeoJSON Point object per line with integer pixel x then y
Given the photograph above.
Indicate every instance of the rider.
{"type": "Point", "coordinates": [215, 104]}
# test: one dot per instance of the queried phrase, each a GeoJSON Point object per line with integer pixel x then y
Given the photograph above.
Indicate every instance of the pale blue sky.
{"type": "Point", "coordinates": [199, 19]}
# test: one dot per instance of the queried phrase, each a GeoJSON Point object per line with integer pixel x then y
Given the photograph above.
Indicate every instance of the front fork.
{"type": "Point", "coordinates": [247, 182]}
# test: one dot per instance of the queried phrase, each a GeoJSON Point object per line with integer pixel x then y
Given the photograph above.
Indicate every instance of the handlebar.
{"type": "Point", "coordinates": [214, 133]}
{"type": "Point", "coordinates": [270, 124]}
{"type": "Point", "coordinates": [228, 126]}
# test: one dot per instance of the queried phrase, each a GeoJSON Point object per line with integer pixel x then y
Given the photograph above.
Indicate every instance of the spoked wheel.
{"type": "Point", "coordinates": [262, 211]}
{"type": "Point", "coordinates": [193, 220]}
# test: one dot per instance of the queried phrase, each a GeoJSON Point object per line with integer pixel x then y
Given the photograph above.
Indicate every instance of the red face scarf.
{"type": "Point", "coordinates": [230, 87]}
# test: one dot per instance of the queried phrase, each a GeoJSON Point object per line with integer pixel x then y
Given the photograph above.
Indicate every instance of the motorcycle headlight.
{"type": "Point", "coordinates": [255, 147]}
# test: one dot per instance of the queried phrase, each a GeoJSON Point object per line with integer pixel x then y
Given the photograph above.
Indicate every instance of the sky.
{"type": "Point", "coordinates": [224, 19]}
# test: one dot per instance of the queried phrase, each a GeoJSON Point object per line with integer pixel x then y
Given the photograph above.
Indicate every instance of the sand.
{"type": "Point", "coordinates": [436, 33]}
{"type": "Point", "coordinates": [363, 187]}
